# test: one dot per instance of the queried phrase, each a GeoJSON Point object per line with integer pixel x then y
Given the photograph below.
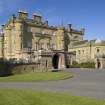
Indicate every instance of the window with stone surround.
{"type": "Point", "coordinates": [48, 45]}
{"type": "Point", "coordinates": [36, 46]}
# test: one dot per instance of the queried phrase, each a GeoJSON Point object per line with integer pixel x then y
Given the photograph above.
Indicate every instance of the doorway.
{"type": "Point", "coordinates": [55, 61]}
{"type": "Point", "coordinates": [98, 63]}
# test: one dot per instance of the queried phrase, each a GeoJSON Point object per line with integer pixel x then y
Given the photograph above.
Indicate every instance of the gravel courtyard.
{"type": "Point", "coordinates": [89, 83]}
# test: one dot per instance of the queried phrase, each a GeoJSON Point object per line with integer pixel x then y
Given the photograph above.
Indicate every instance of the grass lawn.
{"type": "Point", "coordinates": [29, 97]}
{"type": "Point", "coordinates": [38, 76]}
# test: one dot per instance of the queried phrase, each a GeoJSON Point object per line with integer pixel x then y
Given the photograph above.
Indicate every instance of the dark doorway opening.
{"type": "Point", "coordinates": [55, 61]}
{"type": "Point", "coordinates": [98, 63]}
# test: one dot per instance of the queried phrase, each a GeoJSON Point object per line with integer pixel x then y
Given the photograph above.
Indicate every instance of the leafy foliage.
{"type": "Point", "coordinates": [83, 65]}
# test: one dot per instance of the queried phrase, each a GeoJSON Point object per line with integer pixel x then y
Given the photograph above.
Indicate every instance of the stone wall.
{"type": "Point", "coordinates": [87, 50]}
{"type": "Point", "coordinates": [11, 69]}
{"type": "Point", "coordinates": [26, 68]}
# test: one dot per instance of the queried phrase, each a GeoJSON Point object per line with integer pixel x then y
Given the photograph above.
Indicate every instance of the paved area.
{"type": "Point", "coordinates": [89, 83]}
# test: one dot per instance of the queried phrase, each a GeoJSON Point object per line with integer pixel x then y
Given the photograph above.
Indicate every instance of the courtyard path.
{"type": "Point", "coordinates": [89, 83]}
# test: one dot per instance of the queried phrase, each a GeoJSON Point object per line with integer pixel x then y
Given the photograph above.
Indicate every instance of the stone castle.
{"type": "Point", "coordinates": [33, 41]}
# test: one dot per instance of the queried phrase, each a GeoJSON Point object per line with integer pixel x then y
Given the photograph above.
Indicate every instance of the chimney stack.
{"type": "Point", "coordinates": [69, 27]}
{"type": "Point", "coordinates": [23, 14]}
{"type": "Point", "coordinates": [37, 18]}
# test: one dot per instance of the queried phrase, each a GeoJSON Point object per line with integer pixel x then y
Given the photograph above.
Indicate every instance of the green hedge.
{"type": "Point", "coordinates": [83, 65]}
{"type": "Point", "coordinates": [4, 69]}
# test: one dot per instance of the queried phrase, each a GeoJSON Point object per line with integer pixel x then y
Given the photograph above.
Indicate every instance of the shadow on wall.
{"type": "Point", "coordinates": [7, 68]}
{"type": "Point", "coordinates": [55, 61]}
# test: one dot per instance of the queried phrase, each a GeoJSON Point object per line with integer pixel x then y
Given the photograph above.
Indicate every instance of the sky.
{"type": "Point", "coordinates": [88, 14]}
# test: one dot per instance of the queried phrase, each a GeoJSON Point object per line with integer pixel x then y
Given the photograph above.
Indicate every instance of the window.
{"type": "Point", "coordinates": [53, 46]}
{"type": "Point", "coordinates": [48, 45]}
{"type": "Point", "coordinates": [29, 45]}
{"type": "Point", "coordinates": [43, 32]}
{"type": "Point", "coordinates": [21, 27]}
{"type": "Point", "coordinates": [41, 46]}
{"type": "Point", "coordinates": [75, 37]}
{"type": "Point", "coordinates": [36, 46]}
{"type": "Point", "coordinates": [79, 52]}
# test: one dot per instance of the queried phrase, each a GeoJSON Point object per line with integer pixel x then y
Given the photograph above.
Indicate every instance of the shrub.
{"type": "Point", "coordinates": [87, 65]}
{"type": "Point", "coordinates": [83, 65]}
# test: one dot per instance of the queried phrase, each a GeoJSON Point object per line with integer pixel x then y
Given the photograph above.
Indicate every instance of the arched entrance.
{"type": "Point", "coordinates": [55, 61]}
{"type": "Point", "coordinates": [98, 63]}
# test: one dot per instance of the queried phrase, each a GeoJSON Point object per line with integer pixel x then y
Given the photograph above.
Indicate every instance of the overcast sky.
{"type": "Point", "coordinates": [88, 14]}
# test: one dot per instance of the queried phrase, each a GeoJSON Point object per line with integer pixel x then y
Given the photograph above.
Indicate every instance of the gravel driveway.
{"type": "Point", "coordinates": [90, 83]}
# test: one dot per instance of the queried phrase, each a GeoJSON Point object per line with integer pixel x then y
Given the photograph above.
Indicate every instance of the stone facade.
{"type": "Point", "coordinates": [34, 41]}
{"type": "Point", "coordinates": [87, 51]}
